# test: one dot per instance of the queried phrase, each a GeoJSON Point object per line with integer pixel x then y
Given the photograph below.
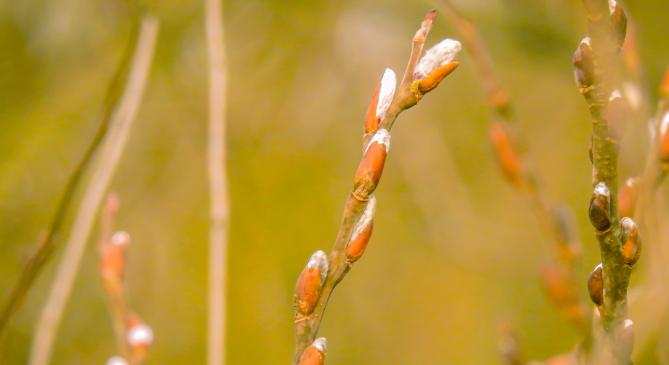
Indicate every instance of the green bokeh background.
{"type": "Point", "coordinates": [455, 249]}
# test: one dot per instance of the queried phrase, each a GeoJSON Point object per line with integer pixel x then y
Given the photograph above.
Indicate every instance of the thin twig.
{"type": "Point", "coordinates": [218, 184]}
{"type": "Point", "coordinates": [110, 154]}
{"type": "Point", "coordinates": [49, 244]}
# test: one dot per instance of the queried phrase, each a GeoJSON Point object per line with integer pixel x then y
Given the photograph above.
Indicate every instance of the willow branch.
{"type": "Point", "coordinates": [218, 184]}
{"type": "Point", "coordinates": [110, 154]}
{"type": "Point", "coordinates": [322, 274]}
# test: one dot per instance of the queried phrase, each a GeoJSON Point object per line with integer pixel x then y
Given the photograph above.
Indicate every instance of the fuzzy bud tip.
{"type": "Point", "coordinates": [321, 344]}
{"type": "Point", "coordinates": [140, 335]}
{"type": "Point", "coordinates": [120, 238]}
{"type": "Point", "coordinates": [117, 360]}
{"type": "Point", "coordinates": [440, 54]}
{"type": "Point", "coordinates": [386, 92]}
{"type": "Point", "coordinates": [319, 260]}
{"type": "Point", "coordinates": [382, 136]}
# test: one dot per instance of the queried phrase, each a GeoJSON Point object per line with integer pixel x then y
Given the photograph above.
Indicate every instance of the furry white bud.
{"type": "Point", "coordinates": [319, 260]}
{"type": "Point", "coordinates": [365, 218]}
{"type": "Point", "coordinates": [386, 92]}
{"type": "Point", "coordinates": [439, 55]}
{"type": "Point", "coordinates": [321, 344]}
{"type": "Point", "coordinates": [382, 136]}
{"type": "Point", "coordinates": [117, 360]}
{"type": "Point", "coordinates": [612, 6]}
{"type": "Point", "coordinates": [140, 335]}
{"type": "Point", "coordinates": [120, 238]}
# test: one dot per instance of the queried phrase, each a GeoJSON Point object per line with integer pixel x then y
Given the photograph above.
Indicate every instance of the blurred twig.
{"type": "Point", "coordinates": [49, 244]}
{"type": "Point", "coordinates": [556, 219]}
{"type": "Point", "coordinates": [110, 154]}
{"type": "Point", "coordinates": [218, 183]}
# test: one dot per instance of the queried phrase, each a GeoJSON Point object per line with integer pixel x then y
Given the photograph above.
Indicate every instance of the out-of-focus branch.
{"type": "Point", "coordinates": [48, 245]}
{"type": "Point", "coordinates": [110, 154]}
{"type": "Point", "coordinates": [218, 184]}
{"type": "Point", "coordinates": [560, 277]}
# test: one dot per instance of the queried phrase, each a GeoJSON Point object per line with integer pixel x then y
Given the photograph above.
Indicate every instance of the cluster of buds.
{"type": "Point", "coordinates": [437, 63]}
{"type": "Point", "coordinates": [315, 353]}
{"type": "Point", "coordinates": [139, 337]}
{"type": "Point", "coordinates": [310, 283]}
{"type": "Point", "coordinates": [600, 208]}
{"type": "Point", "coordinates": [507, 156]}
{"type": "Point", "coordinates": [361, 232]}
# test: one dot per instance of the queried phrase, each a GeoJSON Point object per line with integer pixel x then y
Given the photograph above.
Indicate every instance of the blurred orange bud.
{"type": "Point", "coordinates": [139, 336]}
{"type": "Point", "coordinates": [370, 169]}
{"type": "Point", "coordinates": [600, 208]}
{"type": "Point", "coordinates": [309, 284]}
{"type": "Point", "coordinates": [664, 139]}
{"type": "Point", "coordinates": [618, 22]}
{"type": "Point", "coordinates": [584, 64]}
{"type": "Point", "coordinates": [113, 261]}
{"type": "Point", "coordinates": [562, 291]}
{"type": "Point", "coordinates": [664, 85]}
{"type": "Point", "coordinates": [431, 81]}
{"type": "Point", "coordinates": [627, 197]}
{"type": "Point", "coordinates": [508, 159]}
{"type": "Point", "coordinates": [315, 353]}
{"type": "Point", "coordinates": [625, 340]}
{"type": "Point", "coordinates": [117, 360]}
{"type": "Point", "coordinates": [616, 114]}
{"type": "Point", "coordinates": [596, 285]}
{"type": "Point", "coordinates": [631, 241]}
{"type": "Point", "coordinates": [361, 232]}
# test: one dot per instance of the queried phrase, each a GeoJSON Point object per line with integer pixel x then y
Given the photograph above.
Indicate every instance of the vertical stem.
{"type": "Point", "coordinates": [110, 155]}
{"type": "Point", "coordinates": [218, 184]}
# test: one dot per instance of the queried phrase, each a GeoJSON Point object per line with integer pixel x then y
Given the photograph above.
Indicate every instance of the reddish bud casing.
{"type": "Point", "coordinates": [370, 169]}
{"type": "Point", "coordinates": [431, 81]}
{"type": "Point", "coordinates": [631, 241]}
{"type": "Point", "coordinates": [361, 232]}
{"type": "Point", "coordinates": [315, 353]}
{"type": "Point", "coordinates": [596, 285]}
{"type": "Point", "coordinates": [600, 208]}
{"type": "Point", "coordinates": [310, 282]}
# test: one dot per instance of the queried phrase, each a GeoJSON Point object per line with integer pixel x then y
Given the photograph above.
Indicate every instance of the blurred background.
{"type": "Point", "coordinates": [455, 251]}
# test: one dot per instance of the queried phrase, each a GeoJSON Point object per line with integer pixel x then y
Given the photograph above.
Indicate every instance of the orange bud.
{"type": "Point", "coordinates": [596, 285]}
{"type": "Point", "coordinates": [315, 354]}
{"type": "Point", "coordinates": [664, 85]}
{"type": "Point", "coordinates": [627, 197]}
{"type": "Point", "coordinates": [371, 120]}
{"type": "Point", "coordinates": [310, 282]}
{"type": "Point", "coordinates": [631, 241]}
{"type": "Point", "coordinates": [361, 232]}
{"type": "Point", "coordinates": [508, 159]}
{"type": "Point", "coordinates": [562, 292]}
{"type": "Point", "coordinates": [112, 263]}
{"type": "Point", "coordinates": [431, 81]}
{"type": "Point", "coordinates": [139, 336]}
{"type": "Point", "coordinates": [664, 139]}
{"type": "Point", "coordinates": [369, 170]}
{"type": "Point", "coordinates": [619, 23]}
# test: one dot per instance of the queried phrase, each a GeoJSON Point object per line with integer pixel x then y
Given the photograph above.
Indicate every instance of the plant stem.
{"type": "Point", "coordinates": [218, 184]}
{"type": "Point", "coordinates": [111, 152]}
